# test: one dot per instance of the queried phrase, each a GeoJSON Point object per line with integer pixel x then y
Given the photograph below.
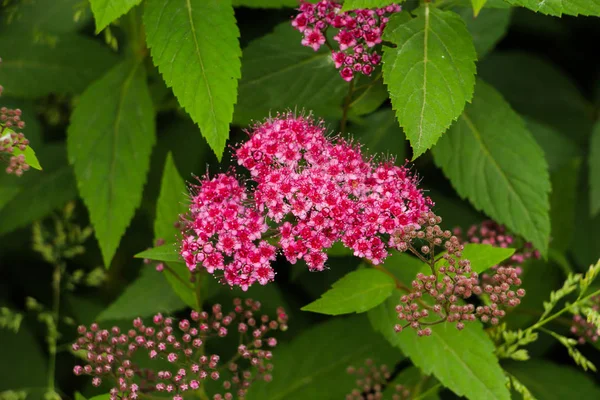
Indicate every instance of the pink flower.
{"type": "Point", "coordinates": [313, 38]}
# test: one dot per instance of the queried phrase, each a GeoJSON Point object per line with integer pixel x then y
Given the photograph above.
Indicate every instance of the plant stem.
{"type": "Point", "coordinates": [347, 101]}
{"type": "Point", "coordinates": [53, 333]}
{"type": "Point", "coordinates": [559, 313]}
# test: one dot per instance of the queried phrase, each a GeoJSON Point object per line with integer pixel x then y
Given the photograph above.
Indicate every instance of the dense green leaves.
{"type": "Point", "coordinates": [167, 252]}
{"type": "Point", "coordinates": [106, 11]}
{"type": "Point", "coordinates": [430, 74]}
{"type": "Point", "coordinates": [278, 73]}
{"type": "Point", "coordinates": [560, 7]}
{"type": "Point", "coordinates": [37, 69]}
{"type": "Point", "coordinates": [194, 44]}
{"type": "Point", "coordinates": [493, 160]}
{"type": "Point", "coordinates": [109, 143]}
{"type": "Point", "coordinates": [358, 292]}
{"type": "Point", "coordinates": [594, 164]}
{"type": "Point", "coordinates": [463, 361]}
{"type": "Point", "coordinates": [487, 28]}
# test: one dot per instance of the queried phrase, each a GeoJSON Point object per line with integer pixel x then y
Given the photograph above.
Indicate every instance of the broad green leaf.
{"type": "Point", "coordinates": [380, 135]}
{"type": "Point", "coordinates": [279, 73]}
{"type": "Point", "coordinates": [45, 17]}
{"type": "Point", "coordinates": [357, 4]}
{"type": "Point", "coordinates": [30, 157]}
{"type": "Point", "coordinates": [477, 6]}
{"type": "Point", "coordinates": [171, 202]}
{"type": "Point", "coordinates": [365, 101]}
{"type": "Point", "coordinates": [487, 28]}
{"type": "Point", "coordinates": [549, 381]}
{"type": "Point", "coordinates": [430, 74]}
{"type": "Point", "coordinates": [178, 276]}
{"type": "Point", "coordinates": [194, 44]}
{"type": "Point", "coordinates": [558, 148]}
{"type": "Point", "coordinates": [107, 11]}
{"type": "Point", "coordinates": [101, 397]}
{"type": "Point", "coordinates": [357, 292]}
{"type": "Point", "coordinates": [559, 7]}
{"type": "Point", "coordinates": [563, 201]}
{"type": "Point", "coordinates": [411, 378]}
{"type": "Point", "coordinates": [501, 170]}
{"type": "Point", "coordinates": [266, 3]}
{"type": "Point", "coordinates": [167, 252]}
{"type": "Point", "coordinates": [485, 256]}
{"type": "Point", "coordinates": [109, 141]}
{"type": "Point", "coordinates": [147, 295]}
{"type": "Point", "coordinates": [307, 366]}
{"type": "Point", "coordinates": [594, 163]}
{"type": "Point", "coordinates": [463, 361]}
{"type": "Point", "coordinates": [37, 69]}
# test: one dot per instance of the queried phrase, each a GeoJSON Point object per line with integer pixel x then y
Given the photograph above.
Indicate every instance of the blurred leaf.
{"type": "Point", "coordinates": [313, 366]}
{"type": "Point", "coordinates": [45, 17]}
{"type": "Point", "coordinates": [558, 149]}
{"type": "Point", "coordinates": [586, 241]}
{"type": "Point", "coordinates": [477, 6]}
{"type": "Point", "coordinates": [367, 99]}
{"type": "Point", "coordinates": [559, 7]}
{"type": "Point", "coordinates": [266, 3]}
{"type": "Point", "coordinates": [194, 44]}
{"type": "Point", "coordinates": [167, 252]}
{"type": "Point", "coordinates": [430, 74]}
{"type": "Point", "coordinates": [411, 378]}
{"type": "Point", "coordinates": [171, 202]}
{"type": "Point", "coordinates": [357, 4]}
{"type": "Point", "coordinates": [178, 276]}
{"type": "Point", "coordinates": [358, 291]}
{"type": "Point", "coordinates": [101, 397]}
{"type": "Point", "coordinates": [109, 144]}
{"type": "Point", "coordinates": [563, 200]}
{"type": "Point", "coordinates": [36, 69]}
{"type": "Point", "coordinates": [454, 211]}
{"type": "Point", "coordinates": [279, 73]}
{"type": "Point", "coordinates": [548, 381]}
{"type": "Point", "coordinates": [502, 170]}
{"type": "Point", "coordinates": [487, 27]}
{"type": "Point", "coordinates": [79, 396]}
{"type": "Point", "coordinates": [594, 161]}
{"type": "Point", "coordinates": [463, 361]}
{"type": "Point", "coordinates": [380, 134]}
{"type": "Point", "coordinates": [107, 11]}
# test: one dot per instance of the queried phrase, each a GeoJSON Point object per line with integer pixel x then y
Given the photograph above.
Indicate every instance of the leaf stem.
{"type": "Point", "coordinates": [559, 313]}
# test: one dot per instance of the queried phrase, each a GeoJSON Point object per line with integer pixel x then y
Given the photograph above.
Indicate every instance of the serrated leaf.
{"type": "Point", "coordinates": [380, 135]}
{"type": "Point", "coordinates": [194, 44]}
{"type": "Point", "coordinates": [37, 69]}
{"type": "Point", "coordinates": [279, 73]}
{"type": "Point", "coordinates": [107, 11]}
{"type": "Point", "coordinates": [171, 202]}
{"type": "Point", "coordinates": [487, 27]}
{"type": "Point", "coordinates": [463, 361]}
{"type": "Point", "coordinates": [147, 295]}
{"type": "Point", "coordinates": [558, 149]}
{"type": "Point", "coordinates": [109, 142]}
{"type": "Point", "coordinates": [357, 4]}
{"type": "Point", "coordinates": [430, 74]}
{"type": "Point", "coordinates": [167, 252]}
{"type": "Point", "coordinates": [501, 169]}
{"type": "Point", "coordinates": [559, 7]}
{"type": "Point", "coordinates": [309, 364]}
{"type": "Point", "coordinates": [594, 163]}
{"type": "Point", "coordinates": [358, 291]}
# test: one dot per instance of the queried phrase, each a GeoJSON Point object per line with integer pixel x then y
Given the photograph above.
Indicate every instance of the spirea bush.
{"type": "Point", "coordinates": [293, 199]}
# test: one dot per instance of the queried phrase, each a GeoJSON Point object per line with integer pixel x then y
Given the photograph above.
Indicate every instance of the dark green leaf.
{"type": "Point", "coordinates": [558, 149]}
{"type": "Point", "coordinates": [501, 169]}
{"type": "Point", "coordinates": [594, 162]}
{"type": "Point", "coordinates": [194, 44]}
{"type": "Point", "coordinates": [487, 28]}
{"type": "Point", "coordinates": [454, 211]}
{"type": "Point", "coordinates": [560, 7]}
{"type": "Point", "coordinates": [109, 144]}
{"type": "Point", "coordinates": [368, 99]}
{"type": "Point", "coordinates": [430, 74]}
{"type": "Point", "coordinates": [107, 11]}
{"type": "Point", "coordinates": [266, 3]}
{"type": "Point", "coordinates": [171, 202]}
{"type": "Point", "coordinates": [411, 378]}
{"type": "Point", "coordinates": [563, 200]}
{"type": "Point", "coordinates": [380, 134]}
{"type": "Point", "coordinates": [45, 17]}
{"type": "Point", "coordinates": [358, 291]}
{"type": "Point", "coordinates": [166, 252]}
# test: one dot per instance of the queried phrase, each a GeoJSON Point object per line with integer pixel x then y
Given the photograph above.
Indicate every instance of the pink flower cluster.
{"type": "Point", "coordinates": [582, 328]}
{"type": "Point", "coordinates": [372, 380]}
{"type": "Point", "coordinates": [310, 191]}
{"type": "Point", "coordinates": [358, 33]}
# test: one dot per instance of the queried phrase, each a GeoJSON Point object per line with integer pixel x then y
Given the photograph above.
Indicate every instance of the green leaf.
{"type": "Point", "coordinates": [171, 202]}
{"type": "Point", "coordinates": [307, 366]}
{"type": "Point", "coordinates": [594, 162]}
{"type": "Point", "coordinates": [501, 169]}
{"type": "Point", "coordinates": [279, 73]}
{"type": "Point", "coordinates": [357, 4]}
{"type": "Point", "coordinates": [558, 149]}
{"type": "Point", "coordinates": [365, 101]}
{"type": "Point", "coordinates": [101, 397]}
{"type": "Point", "coordinates": [411, 378]}
{"type": "Point", "coordinates": [266, 3]}
{"type": "Point", "coordinates": [549, 381]}
{"type": "Point", "coordinates": [30, 157]}
{"type": "Point", "coordinates": [109, 141]}
{"type": "Point", "coordinates": [563, 201]}
{"type": "Point", "coordinates": [487, 28]}
{"type": "Point", "coordinates": [46, 17]}
{"type": "Point", "coordinates": [167, 252]}
{"type": "Point", "coordinates": [107, 11]}
{"type": "Point", "coordinates": [79, 396]}
{"type": "Point", "coordinates": [485, 256]}
{"type": "Point", "coordinates": [380, 134]}
{"type": "Point", "coordinates": [194, 44]}
{"type": "Point", "coordinates": [37, 69]}
{"type": "Point", "coordinates": [358, 291]}
{"type": "Point", "coordinates": [137, 299]}
{"type": "Point", "coordinates": [463, 361]}
{"type": "Point", "coordinates": [178, 276]}
{"type": "Point", "coordinates": [430, 74]}
{"type": "Point", "coordinates": [477, 6]}
{"type": "Point", "coordinates": [559, 7]}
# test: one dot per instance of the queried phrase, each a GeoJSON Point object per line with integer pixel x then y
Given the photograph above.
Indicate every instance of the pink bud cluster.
{"type": "Point", "coordinates": [358, 32]}
{"type": "Point", "coordinates": [310, 191]}
{"type": "Point", "coordinates": [583, 329]}
{"type": "Point", "coordinates": [11, 140]}
{"type": "Point", "coordinates": [371, 380]}
{"type": "Point", "coordinates": [110, 353]}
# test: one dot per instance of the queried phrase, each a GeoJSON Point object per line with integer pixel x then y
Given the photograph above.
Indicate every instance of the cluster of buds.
{"type": "Point", "coordinates": [110, 353]}
{"type": "Point", "coordinates": [310, 191]}
{"type": "Point", "coordinates": [584, 329]}
{"type": "Point", "coordinates": [358, 32]}
{"type": "Point", "coordinates": [439, 297]}
{"type": "Point", "coordinates": [371, 380]}
{"type": "Point", "coordinates": [11, 139]}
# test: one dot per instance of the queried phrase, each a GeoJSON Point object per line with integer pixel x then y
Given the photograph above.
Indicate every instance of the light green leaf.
{"type": "Point", "coordinates": [594, 162]}
{"type": "Point", "coordinates": [485, 256]}
{"type": "Point", "coordinates": [46, 17]}
{"type": "Point", "coordinates": [194, 44]}
{"type": "Point", "coordinates": [430, 74]}
{"type": "Point", "coordinates": [501, 170]}
{"type": "Point", "coordinates": [477, 6]}
{"type": "Point", "coordinates": [147, 295]}
{"type": "Point", "coordinates": [109, 144]}
{"type": "Point", "coordinates": [358, 291]}
{"type": "Point", "coordinates": [559, 7]}
{"type": "Point", "coordinates": [357, 4]}
{"type": "Point", "coordinates": [380, 135]}
{"type": "Point", "coordinates": [463, 361]}
{"type": "Point", "coordinates": [558, 148]}
{"type": "Point", "coordinates": [37, 69]}
{"type": "Point", "coordinates": [107, 11]}
{"type": "Point", "coordinates": [171, 202]}
{"type": "Point", "coordinates": [79, 396]}
{"type": "Point", "coordinates": [167, 252]}
{"type": "Point", "coordinates": [279, 73]}
{"type": "Point", "coordinates": [487, 27]}
{"type": "Point", "coordinates": [307, 366]}
{"type": "Point", "coordinates": [30, 157]}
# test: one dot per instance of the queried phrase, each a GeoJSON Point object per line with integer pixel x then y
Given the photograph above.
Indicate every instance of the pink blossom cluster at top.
{"type": "Point", "coordinates": [358, 32]}
{"type": "Point", "coordinates": [312, 190]}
